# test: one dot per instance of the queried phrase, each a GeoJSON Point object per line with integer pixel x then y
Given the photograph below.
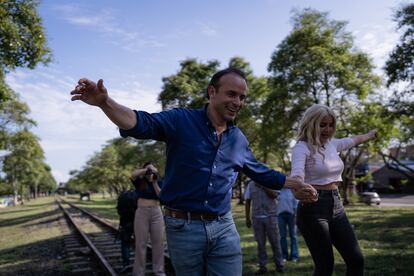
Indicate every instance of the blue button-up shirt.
{"type": "Point", "coordinates": [200, 171]}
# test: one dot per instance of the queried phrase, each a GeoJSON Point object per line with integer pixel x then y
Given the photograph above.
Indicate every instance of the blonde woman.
{"type": "Point", "coordinates": [316, 161]}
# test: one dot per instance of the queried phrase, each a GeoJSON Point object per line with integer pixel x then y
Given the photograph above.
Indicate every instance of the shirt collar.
{"type": "Point", "coordinates": [203, 111]}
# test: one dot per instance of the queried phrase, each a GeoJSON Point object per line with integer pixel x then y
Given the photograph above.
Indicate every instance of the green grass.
{"type": "Point", "coordinates": [386, 236]}
{"type": "Point", "coordinates": [30, 239]}
{"type": "Point", "coordinates": [104, 207]}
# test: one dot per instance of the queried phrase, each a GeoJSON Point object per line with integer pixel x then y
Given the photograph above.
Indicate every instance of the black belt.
{"type": "Point", "coordinates": [189, 215]}
{"type": "Point", "coordinates": [329, 192]}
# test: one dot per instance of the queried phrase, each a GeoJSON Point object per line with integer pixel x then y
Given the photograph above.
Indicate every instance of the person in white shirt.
{"type": "Point", "coordinates": [315, 160]}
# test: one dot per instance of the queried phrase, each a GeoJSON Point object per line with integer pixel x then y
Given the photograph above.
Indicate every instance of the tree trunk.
{"type": "Point", "coordinates": [15, 192]}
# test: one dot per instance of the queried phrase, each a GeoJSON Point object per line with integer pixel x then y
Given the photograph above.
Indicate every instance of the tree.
{"type": "Point", "coordinates": [316, 63]}
{"type": "Point", "coordinates": [399, 66]}
{"type": "Point", "coordinates": [110, 169]}
{"type": "Point", "coordinates": [187, 88]}
{"type": "Point", "coordinates": [22, 37]}
{"type": "Point", "coordinates": [399, 69]}
{"type": "Point", "coordinates": [13, 114]}
{"type": "Point", "coordinates": [22, 44]}
{"type": "Point", "coordinates": [24, 167]}
{"type": "Point", "coordinates": [400, 72]}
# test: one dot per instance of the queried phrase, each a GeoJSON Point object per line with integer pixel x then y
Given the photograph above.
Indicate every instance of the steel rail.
{"type": "Point", "coordinates": [101, 259]}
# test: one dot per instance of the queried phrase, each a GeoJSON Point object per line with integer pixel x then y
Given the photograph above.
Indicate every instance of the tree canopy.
{"type": "Point", "coordinates": [22, 44]}
{"type": "Point", "coordinates": [22, 36]}
{"type": "Point", "coordinates": [400, 71]}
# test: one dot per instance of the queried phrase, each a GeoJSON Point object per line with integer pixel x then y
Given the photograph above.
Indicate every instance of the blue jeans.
{"type": "Point", "coordinates": [288, 220]}
{"type": "Point", "coordinates": [200, 247]}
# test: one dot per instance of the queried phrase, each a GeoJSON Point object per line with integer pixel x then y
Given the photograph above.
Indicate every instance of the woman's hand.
{"type": "Point", "coordinates": [306, 193]}
{"type": "Point", "coordinates": [373, 134]}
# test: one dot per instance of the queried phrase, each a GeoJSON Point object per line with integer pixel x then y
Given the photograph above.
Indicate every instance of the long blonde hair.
{"type": "Point", "coordinates": [309, 126]}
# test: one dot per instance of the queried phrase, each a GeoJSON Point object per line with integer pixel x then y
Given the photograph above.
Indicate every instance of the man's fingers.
{"type": "Point", "coordinates": [78, 89]}
{"type": "Point", "coordinates": [85, 82]}
{"type": "Point", "coordinates": [77, 97]}
{"type": "Point", "coordinates": [100, 84]}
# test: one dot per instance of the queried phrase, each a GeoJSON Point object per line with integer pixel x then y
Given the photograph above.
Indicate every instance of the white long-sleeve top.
{"type": "Point", "coordinates": [318, 169]}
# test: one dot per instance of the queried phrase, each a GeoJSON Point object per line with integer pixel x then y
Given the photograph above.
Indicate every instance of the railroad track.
{"type": "Point", "coordinates": [91, 247]}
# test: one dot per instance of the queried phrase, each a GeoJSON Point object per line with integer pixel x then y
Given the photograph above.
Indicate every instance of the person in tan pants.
{"type": "Point", "coordinates": [148, 220]}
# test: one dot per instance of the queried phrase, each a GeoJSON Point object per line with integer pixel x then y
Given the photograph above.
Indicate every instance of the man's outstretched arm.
{"type": "Point", "coordinates": [96, 94]}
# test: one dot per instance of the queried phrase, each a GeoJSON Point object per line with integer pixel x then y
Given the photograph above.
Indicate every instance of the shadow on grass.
{"type": "Point", "coordinates": [390, 264]}
{"type": "Point", "coordinates": [13, 211]}
{"type": "Point", "coordinates": [38, 258]}
{"type": "Point", "coordinates": [23, 219]}
{"type": "Point", "coordinates": [385, 229]}
{"type": "Point", "coordinates": [24, 208]}
{"type": "Point", "coordinates": [43, 222]}
{"type": "Point", "coordinates": [33, 204]}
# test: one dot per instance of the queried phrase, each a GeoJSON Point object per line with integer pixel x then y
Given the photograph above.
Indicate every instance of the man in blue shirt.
{"type": "Point", "coordinates": [205, 152]}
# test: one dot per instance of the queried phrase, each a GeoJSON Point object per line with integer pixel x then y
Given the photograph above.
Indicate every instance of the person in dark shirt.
{"type": "Point", "coordinates": [205, 153]}
{"type": "Point", "coordinates": [148, 220]}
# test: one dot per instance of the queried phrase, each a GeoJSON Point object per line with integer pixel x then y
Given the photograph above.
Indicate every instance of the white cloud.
{"type": "Point", "coordinates": [105, 23]}
{"type": "Point", "coordinates": [377, 41]}
{"type": "Point", "coordinates": [71, 131]}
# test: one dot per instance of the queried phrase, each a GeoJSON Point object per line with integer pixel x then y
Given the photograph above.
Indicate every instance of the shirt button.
{"type": "Point", "coordinates": [206, 202]}
{"type": "Point", "coordinates": [214, 166]}
{"type": "Point", "coordinates": [211, 184]}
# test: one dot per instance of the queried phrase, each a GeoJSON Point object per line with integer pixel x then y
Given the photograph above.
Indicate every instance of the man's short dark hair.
{"type": "Point", "coordinates": [215, 79]}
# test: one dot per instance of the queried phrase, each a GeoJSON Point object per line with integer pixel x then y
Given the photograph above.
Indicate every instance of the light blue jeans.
{"type": "Point", "coordinates": [201, 248]}
{"type": "Point", "coordinates": [288, 220]}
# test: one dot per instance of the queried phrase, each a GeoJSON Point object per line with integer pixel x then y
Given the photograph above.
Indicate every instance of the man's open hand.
{"type": "Point", "coordinates": [90, 92]}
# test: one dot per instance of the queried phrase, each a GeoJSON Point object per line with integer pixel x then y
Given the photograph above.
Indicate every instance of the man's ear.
{"type": "Point", "coordinates": [211, 90]}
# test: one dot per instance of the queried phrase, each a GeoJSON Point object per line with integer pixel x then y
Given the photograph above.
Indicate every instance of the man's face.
{"type": "Point", "coordinates": [229, 97]}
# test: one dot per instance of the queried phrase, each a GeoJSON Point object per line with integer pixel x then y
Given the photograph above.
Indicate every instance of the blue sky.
{"type": "Point", "coordinates": [133, 44]}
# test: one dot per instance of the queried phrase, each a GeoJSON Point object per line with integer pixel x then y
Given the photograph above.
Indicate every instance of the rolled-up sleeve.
{"type": "Point", "coordinates": [157, 126]}
{"type": "Point", "coordinates": [262, 174]}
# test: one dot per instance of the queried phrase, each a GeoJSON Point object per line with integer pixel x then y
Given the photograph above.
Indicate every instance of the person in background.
{"type": "Point", "coordinates": [264, 204]}
{"type": "Point", "coordinates": [148, 220]}
{"type": "Point", "coordinates": [323, 224]}
{"type": "Point", "coordinates": [286, 213]}
{"type": "Point", "coordinates": [126, 207]}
